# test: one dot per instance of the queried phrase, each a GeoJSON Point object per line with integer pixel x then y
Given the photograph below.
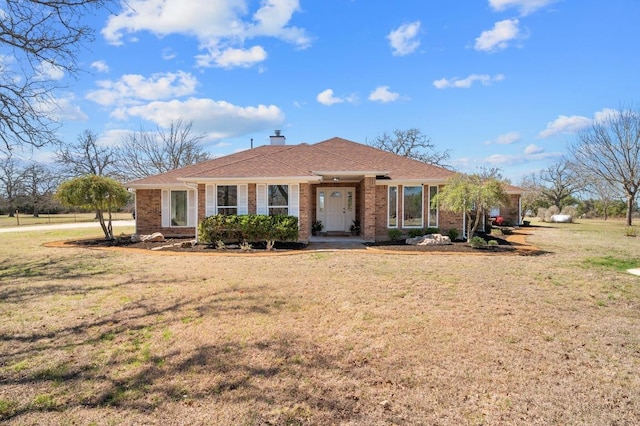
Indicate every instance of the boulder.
{"type": "Point", "coordinates": [135, 238]}
{"type": "Point", "coordinates": [156, 237]}
{"type": "Point", "coordinates": [429, 240]}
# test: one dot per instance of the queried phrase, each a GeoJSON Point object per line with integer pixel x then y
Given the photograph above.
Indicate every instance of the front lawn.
{"type": "Point", "coordinates": [123, 337]}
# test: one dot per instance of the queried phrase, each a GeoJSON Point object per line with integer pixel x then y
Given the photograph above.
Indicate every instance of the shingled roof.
{"type": "Point", "coordinates": [301, 161]}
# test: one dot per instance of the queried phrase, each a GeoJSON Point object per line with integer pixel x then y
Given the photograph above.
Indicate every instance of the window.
{"type": "Point", "coordinates": [433, 208]}
{"type": "Point", "coordinates": [278, 200]}
{"type": "Point", "coordinates": [178, 208]}
{"type": "Point", "coordinates": [393, 207]}
{"type": "Point", "coordinates": [227, 199]}
{"type": "Point", "coordinates": [321, 202]}
{"type": "Point", "coordinates": [412, 206]}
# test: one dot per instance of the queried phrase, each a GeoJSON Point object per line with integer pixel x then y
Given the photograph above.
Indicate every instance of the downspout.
{"type": "Point", "coordinates": [520, 210]}
{"type": "Point", "coordinates": [195, 187]}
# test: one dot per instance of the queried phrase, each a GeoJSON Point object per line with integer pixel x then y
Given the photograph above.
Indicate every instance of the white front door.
{"type": "Point", "coordinates": [336, 208]}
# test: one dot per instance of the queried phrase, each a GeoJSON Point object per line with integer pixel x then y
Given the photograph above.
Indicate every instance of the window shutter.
{"type": "Point", "coordinates": [294, 200]}
{"type": "Point", "coordinates": [243, 199]}
{"type": "Point", "coordinates": [166, 208]}
{"type": "Point", "coordinates": [261, 199]}
{"type": "Point", "coordinates": [210, 200]}
{"type": "Point", "coordinates": [191, 208]}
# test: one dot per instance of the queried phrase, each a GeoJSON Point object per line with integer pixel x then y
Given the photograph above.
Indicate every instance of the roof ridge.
{"type": "Point", "coordinates": [372, 166]}
{"type": "Point", "coordinates": [220, 165]}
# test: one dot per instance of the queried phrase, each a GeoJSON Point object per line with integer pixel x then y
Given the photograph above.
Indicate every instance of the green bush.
{"type": "Point", "coordinates": [415, 233]}
{"type": "Point", "coordinates": [245, 228]}
{"type": "Point", "coordinates": [477, 242]}
{"type": "Point", "coordinates": [431, 231]}
{"type": "Point", "coordinates": [453, 234]}
{"type": "Point", "coordinates": [394, 234]}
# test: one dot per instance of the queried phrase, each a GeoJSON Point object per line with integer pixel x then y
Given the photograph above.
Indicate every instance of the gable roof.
{"type": "Point", "coordinates": [304, 161]}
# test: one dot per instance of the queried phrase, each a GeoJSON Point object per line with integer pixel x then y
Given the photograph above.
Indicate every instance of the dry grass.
{"type": "Point", "coordinates": [97, 337]}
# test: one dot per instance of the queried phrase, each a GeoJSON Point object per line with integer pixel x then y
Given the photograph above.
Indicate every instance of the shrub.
{"type": "Point", "coordinates": [394, 234]}
{"type": "Point", "coordinates": [430, 231]}
{"type": "Point", "coordinates": [492, 243]}
{"type": "Point", "coordinates": [477, 242]}
{"type": "Point", "coordinates": [415, 233]}
{"type": "Point", "coordinates": [553, 210]}
{"type": "Point", "coordinates": [453, 234]}
{"type": "Point", "coordinates": [247, 228]}
{"type": "Point", "coordinates": [631, 231]}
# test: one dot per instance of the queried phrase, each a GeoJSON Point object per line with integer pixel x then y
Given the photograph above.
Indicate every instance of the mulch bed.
{"type": "Point", "coordinates": [175, 245]}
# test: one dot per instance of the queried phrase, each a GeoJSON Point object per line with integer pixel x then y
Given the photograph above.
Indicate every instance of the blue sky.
{"type": "Point", "coordinates": [500, 83]}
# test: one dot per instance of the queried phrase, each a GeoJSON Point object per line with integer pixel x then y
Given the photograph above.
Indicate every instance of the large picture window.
{"type": "Point", "coordinates": [278, 199]}
{"type": "Point", "coordinates": [227, 199]}
{"type": "Point", "coordinates": [413, 209]}
{"type": "Point", "coordinates": [392, 218]}
{"type": "Point", "coordinates": [178, 208]}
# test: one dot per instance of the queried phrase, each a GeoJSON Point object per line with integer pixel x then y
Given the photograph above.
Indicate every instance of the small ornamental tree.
{"type": "Point", "coordinates": [471, 193]}
{"type": "Point", "coordinates": [99, 193]}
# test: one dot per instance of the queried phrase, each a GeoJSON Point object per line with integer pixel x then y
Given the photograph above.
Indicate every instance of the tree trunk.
{"type": "Point", "coordinates": [630, 202]}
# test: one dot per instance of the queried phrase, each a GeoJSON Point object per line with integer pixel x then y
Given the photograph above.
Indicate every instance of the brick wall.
{"type": "Point", "coordinates": [306, 213]}
{"type": "Point", "coordinates": [368, 225]}
{"type": "Point", "coordinates": [149, 215]}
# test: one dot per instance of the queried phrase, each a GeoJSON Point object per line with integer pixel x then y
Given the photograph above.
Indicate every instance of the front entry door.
{"type": "Point", "coordinates": [336, 208]}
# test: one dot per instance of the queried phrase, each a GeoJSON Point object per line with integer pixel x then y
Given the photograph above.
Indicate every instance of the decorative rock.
{"type": "Point", "coordinates": [135, 238]}
{"type": "Point", "coordinates": [188, 244]}
{"type": "Point", "coordinates": [429, 240]}
{"type": "Point", "coordinates": [156, 237]}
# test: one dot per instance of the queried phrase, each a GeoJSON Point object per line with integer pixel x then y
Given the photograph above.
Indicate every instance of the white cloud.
{"type": "Point", "coordinates": [132, 88]}
{"type": "Point", "coordinates": [524, 6]}
{"type": "Point", "coordinates": [604, 115]}
{"type": "Point", "coordinates": [565, 124]}
{"type": "Point", "coordinates": [326, 98]}
{"type": "Point", "coordinates": [231, 58]}
{"type": "Point", "coordinates": [505, 139]}
{"type": "Point", "coordinates": [216, 118]}
{"type": "Point", "coordinates": [61, 108]}
{"type": "Point", "coordinates": [100, 66]}
{"type": "Point", "coordinates": [533, 149]}
{"type": "Point", "coordinates": [572, 124]}
{"type": "Point", "coordinates": [404, 40]}
{"type": "Point", "coordinates": [499, 37]}
{"type": "Point", "coordinates": [220, 26]}
{"type": "Point", "coordinates": [383, 94]}
{"type": "Point", "coordinates": [466, 83]}
{"type": "Point", "coordinates": [48, 71]}
{"type": "Point", "coordinates": [168, 54]}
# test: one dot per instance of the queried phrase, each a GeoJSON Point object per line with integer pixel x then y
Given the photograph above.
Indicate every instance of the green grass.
{"type": "Point", "coordinates": [48, 219]}
{"type": "Point", "coordinates": [612, 262]}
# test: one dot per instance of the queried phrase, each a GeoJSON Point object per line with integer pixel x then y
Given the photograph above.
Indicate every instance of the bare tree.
{"type": "Point", "coordinates": [412, 144]}
{"type": "Point", "coordinates": [11, 177]}
{"type": "Point", "coordinates": [610, 150]}
{"type": "Point", "coordinates": [41, 40]}
{"type": "Point", "coordinates": [559, 182]}
{"type": "Point", "coordinates": [604, 192]}
{"type": "Point", "coordinates": [532, 198]}
{"type": "Point", "coordinates": [145, 153]}
{"type": "Point", "coordinates": [88, 157]}
{"type": "Point", "coordinates": [39, 184]}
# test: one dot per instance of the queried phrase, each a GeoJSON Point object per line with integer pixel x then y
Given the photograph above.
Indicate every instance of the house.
{"type": "Point", "coordinates": [335, 181]}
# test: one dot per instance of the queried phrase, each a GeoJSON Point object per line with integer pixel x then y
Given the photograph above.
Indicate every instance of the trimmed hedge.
{"type": "Point", "coordinates": [248, 228]}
